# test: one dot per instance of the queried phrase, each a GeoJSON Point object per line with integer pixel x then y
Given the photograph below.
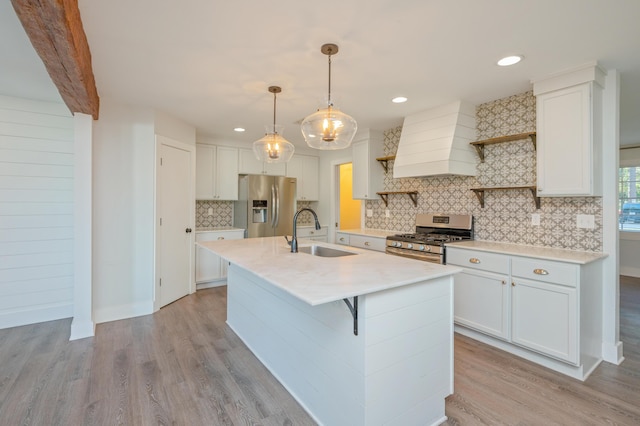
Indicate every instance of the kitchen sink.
{"type": "Point", "coordinates": [322, 251]}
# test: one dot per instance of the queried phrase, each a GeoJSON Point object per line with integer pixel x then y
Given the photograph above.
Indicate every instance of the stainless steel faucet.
{"type": "Point", "coordinates": [294, 239]}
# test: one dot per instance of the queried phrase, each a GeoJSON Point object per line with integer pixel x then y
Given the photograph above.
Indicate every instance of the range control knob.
{"type": "Point", "coordinates": [429, 249]}
{"type": "Point", "coordinates": [421, 248]}
{"type": "Point", "coordinates": [409, 246]}
{"type": "Point", "coordinates": [397, 244]}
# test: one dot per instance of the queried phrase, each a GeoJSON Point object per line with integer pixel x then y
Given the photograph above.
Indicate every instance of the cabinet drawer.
{"type": "Point", "coordinates": [236, 234]}
{"type": "Point", "coordinates": [310, 231]}
{"type": "Point", "coordinates": [545, 270]}
{"type": "Point", "coordinates": [478, 260]}
{"type": "Point", "coordinates": [342, 238]}
{"type": "Point", "coordinates": [370, 243]}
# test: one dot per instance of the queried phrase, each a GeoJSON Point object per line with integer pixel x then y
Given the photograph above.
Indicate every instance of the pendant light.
{"type": "Point", "coordinates": [329, 128]}
{"type": "Point", "coordinates": [273, 148]}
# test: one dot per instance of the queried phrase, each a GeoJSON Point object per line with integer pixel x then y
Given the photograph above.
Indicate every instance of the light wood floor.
{"type": "Point", "coordinates": [183, 366]}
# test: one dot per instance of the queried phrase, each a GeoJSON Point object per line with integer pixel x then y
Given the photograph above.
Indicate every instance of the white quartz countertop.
{"type": "Point", "coordinates": [381, 233]}
{"type": "Point", "coordinates": [547, 253]}
{"type": "Point", "coordinates": [218, 228]}
{"type": "Point", "coordinates": [317, 280]}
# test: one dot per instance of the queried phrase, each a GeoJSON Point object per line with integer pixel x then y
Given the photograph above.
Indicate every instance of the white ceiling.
{"type": "Point", "coordinates": [210, 62]}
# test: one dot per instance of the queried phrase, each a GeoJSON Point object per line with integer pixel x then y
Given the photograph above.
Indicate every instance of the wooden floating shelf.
{"type": "Point", "coordinates": [412, 194]}
{"type": "Point", "coordinates": [384, 161]}
{"type": "Point", "coordinates": [480, 193]}
{"type": "Point", "coordinates": [479, 145]}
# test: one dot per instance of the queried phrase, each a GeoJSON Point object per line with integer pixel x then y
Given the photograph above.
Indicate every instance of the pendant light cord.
{"type": "Point", "coordinates": [274, 112]}
{"type": "Point", "coordinates": [329, 100]}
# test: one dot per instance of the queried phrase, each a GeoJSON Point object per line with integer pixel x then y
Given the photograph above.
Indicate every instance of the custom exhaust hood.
{"type": "Point", "coordinates": [436, 142]}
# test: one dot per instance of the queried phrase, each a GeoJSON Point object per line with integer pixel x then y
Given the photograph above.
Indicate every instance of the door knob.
{"type": "Point", "coordinates": [188, 230]}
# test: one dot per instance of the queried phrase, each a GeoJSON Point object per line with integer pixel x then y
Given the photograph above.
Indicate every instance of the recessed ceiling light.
{"type": "Point", "coordinates": [399, 100]}
{"type": "Point", "coordinates": [510, 60]}
{"type": "Point", "coordinates": [239, 129]}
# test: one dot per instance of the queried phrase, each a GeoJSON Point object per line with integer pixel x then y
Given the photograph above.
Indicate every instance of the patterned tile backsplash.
{"type": "Point", "coordinates": [506, 216]}
{"type": "Point", "coordinates": [222, 214]}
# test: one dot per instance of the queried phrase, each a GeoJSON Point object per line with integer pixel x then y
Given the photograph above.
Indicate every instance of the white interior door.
{"type": "Point", "coordinates": [175, 214]}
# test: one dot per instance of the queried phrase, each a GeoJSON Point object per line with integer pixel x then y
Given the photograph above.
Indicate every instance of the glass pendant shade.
{"type": "Point", "coordinates": [272, 147]}
{"type": "Point", "coordinates": [329, 128]}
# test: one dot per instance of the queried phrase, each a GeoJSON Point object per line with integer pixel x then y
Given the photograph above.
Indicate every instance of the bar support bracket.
{"type": "Point", "coordinates": [354, 312]}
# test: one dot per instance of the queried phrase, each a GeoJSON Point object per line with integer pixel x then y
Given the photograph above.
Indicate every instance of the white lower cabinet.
{"type": "Point", "coordinates": [311, 233]}
{"type": "Point", "coordinates": [551, 309]}
{"type": "Point", "coordinates": [211, 270]}
{"type": "Point", "coordinates": [482, 302]}
{"type": "Point", "coordinates": [342, 238]}
{"type": "Point", "coordinates": [362, 241]}
{"type": "Point", "coordinates": [545, 318]}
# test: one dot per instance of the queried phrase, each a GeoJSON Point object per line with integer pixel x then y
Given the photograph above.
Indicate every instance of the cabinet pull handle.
{"type": "Point", "coordinates": [221, 238]}
{"type": "Point", "coordinates": [513, 284]}
{"type": "Point", "coordinates": [504, 282]}
{"type": "Point", "coordinates": [540, 271]}
{"type": "Point", "coordinates": [311, 232]}
{"type": "Point", "coordinates": [474, 260]}
{"type": "Point", "coordinates": [341, 238]}
{"type": "Point", "coordinates": [366, 243]}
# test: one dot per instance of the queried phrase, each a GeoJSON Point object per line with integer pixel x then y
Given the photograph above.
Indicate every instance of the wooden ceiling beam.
{"type": "Point", "coordinates": [56, 33]}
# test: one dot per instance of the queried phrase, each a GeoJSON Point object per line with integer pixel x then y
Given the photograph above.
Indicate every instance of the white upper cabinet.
{"type": "Point", "coordinates": [216, 172]}
{"type": "Point", "coordinates": [569, 133]}
{"type": "Point", "coordinates": [368, 174]}
{"type": "Point", "coordinates": [305, 169]}
{"type": "Point", "coordinates": [250, 165]}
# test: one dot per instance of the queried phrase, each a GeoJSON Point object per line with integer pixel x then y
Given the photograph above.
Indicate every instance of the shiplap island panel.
{"type": "Point", "coordinates": [288, 308]}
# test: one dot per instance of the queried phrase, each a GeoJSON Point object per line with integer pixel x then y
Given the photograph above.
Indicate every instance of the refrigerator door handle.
{"type": "Point", "coordinates": [276, 221]}
{"type": "Point", "coordinates": [273, 206]}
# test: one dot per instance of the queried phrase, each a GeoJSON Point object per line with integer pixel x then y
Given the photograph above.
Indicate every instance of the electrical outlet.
{"type": "Point", "coordinates": [210, 211]}
{"type": "Point", "coordinates": [387, 213]}
{"type": "Point", "coordinates": [369, 212]}
{"type": "Point", "coordinates": [585, 221]}
{"type": "Point", "coordinates": [535, 219]}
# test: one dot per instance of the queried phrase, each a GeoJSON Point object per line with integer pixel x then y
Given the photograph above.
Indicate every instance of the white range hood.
{"type": "Point", "coordinates": [436, 142]}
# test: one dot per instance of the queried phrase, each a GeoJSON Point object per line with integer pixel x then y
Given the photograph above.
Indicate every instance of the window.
{"type": "Point", "coordinates": [629, 191]}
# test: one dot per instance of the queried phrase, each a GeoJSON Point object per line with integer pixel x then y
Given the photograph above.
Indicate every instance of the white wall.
{"type": "Point", "coordinates": [36, 211]}
{"type": "Point", "coordinates": [173, 128]}
{"type": "Point", "coordinates": [630, 241]}
{"type": "Point", "coordinates": [123, 167]}
{"type": "Point", "coordinates": [630, 254]}
{"type": "Point", "coordinates": [123, 206]}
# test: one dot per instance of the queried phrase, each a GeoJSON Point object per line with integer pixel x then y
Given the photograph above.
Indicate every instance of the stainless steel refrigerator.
{"type": "Point", "coordinates": [266, 205]}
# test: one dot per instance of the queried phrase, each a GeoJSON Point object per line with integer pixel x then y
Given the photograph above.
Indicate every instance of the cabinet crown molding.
{"type": "Point", "coordinates": [586, 73]}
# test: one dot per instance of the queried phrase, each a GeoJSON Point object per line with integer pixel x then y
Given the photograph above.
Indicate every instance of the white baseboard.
{"type": "Point", "coordinates": [35, 315]}
{"type": "Point", "coordinates": [630, 271]}
{"type": "Point", "coordinates": [612, 353]}
{"type": "Point", "coordinates": [211, 284]}
{"type": "Point", "coordinates": [81, 330]}
{"type": "Point", "coordinates": [115, 313]}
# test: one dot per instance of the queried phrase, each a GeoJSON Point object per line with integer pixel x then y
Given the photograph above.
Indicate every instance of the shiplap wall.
{"type": "Point", "coordinates": [36, 211]}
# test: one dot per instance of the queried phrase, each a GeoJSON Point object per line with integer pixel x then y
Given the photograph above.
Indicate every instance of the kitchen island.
{"type": "Point", "coordinates": [362, 339]}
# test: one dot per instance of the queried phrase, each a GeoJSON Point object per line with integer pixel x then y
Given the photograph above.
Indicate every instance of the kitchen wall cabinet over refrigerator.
{"type": "Point", "coordinates": [368, 175]}
{"type": "Point", "coordinates": [250, 165]}
{"type": "Point", "coordinates": [216, 172]}
{"type": "Point", "coordinates": [569, 133]}
{"type": "Point", "coordinates": [305, 169]}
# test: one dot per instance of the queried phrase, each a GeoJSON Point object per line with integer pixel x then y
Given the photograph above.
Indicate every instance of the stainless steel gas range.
{"type": "Point", "coordinates": [433, 231]}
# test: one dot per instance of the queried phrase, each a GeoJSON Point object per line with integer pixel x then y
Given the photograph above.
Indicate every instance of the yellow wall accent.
{"type": "Point", "coordinates": [349, 208]}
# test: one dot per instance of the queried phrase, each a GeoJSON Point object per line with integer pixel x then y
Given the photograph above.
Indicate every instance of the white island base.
{"type": "Point", "coordinates": [398, 370]}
